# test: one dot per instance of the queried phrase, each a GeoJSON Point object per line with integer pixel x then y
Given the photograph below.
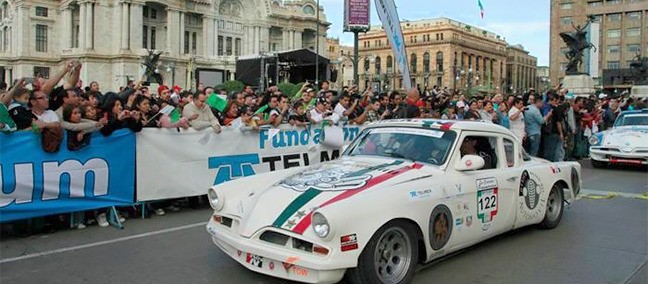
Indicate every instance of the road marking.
{"type": "Point", "coordinates": [73, 248]}
{"type": "Point", "coordinates": [604, 194]}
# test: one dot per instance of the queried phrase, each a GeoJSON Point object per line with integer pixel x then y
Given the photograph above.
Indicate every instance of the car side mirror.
{"type": "Point", "coordinates": [470, 163]}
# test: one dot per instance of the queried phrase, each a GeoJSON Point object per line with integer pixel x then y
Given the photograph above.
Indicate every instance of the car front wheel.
{"type": "Point", "coordinates": [554, 211]}
{"type": "Point", "coordinates": [390, 257]}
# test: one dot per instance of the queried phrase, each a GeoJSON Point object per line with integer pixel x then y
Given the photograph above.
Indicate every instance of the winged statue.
{"type": "Point", "coordinates": [150, 63]}
{"type": "Point", "coordinates": [577, 43]}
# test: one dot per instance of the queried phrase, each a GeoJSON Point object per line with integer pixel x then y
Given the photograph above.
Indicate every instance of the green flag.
{"type": "Point", "coordinates": [174, 116]}
{"type": "Point", "coordinates": [261, 109]}
{"type": "Point", "coordinates": [216, 102]}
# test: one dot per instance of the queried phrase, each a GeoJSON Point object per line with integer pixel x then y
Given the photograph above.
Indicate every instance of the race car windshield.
{"type": "Point", "coordinates": [628, 120]}
{"type": "Point", "coordinates": [421, 145]}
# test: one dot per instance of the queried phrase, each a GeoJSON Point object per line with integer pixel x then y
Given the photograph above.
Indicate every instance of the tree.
{"type": "Point", "coordinates": [231, 86]}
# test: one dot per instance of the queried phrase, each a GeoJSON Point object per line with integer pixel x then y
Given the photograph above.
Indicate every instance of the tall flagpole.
{"type": "Point", "coordinates": [317, 45]}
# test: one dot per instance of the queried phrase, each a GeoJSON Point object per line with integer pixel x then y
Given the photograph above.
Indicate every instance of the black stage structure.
{"type": "Point", "coordinates": [292, 66]}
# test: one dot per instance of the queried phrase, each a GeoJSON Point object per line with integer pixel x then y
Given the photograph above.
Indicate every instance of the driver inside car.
{"type": "Point", "coordinates": [474, 146]}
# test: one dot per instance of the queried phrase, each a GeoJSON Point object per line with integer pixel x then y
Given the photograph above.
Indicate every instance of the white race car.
{"type": "Point", "coordinates": [404, 192]}
{"type": "Point", "coordinates": [625, 143]}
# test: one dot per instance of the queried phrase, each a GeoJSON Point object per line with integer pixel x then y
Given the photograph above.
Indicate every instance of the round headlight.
{"type": "Point", "coordinates": [320, 225]}
{"type": "Point", "coordinates": [593, 140]}
{"type": "Point", "coordinates": [214, 200]}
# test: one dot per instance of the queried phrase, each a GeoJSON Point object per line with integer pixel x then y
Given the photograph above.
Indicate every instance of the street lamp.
{"type": "Point", "coordinates": [170, 68]}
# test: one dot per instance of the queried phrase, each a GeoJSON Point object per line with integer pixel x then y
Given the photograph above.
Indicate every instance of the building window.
{"type": "Point", "coordinates": [634, 48]}
{"type": "Point", "coordinates": [366, 64]}
{"type": "Point", "coordinates": [228, 46]}
{"type": "Point", "coordinates": [612, 2]}
{"type": "Point", "coordinates": [377, 65]}
{"type": "Point", "coordinates": [565, 20]}
{"type": "Point", "coordinates": [566, 6]}
{"type": "Point", "coordinates": [633, 32]}
{"type": "Point", "coordinates": [41, 38]}
{"type": "Point", "coordinates": [390, 66]}
{"type": "Point", "coordinates": [145, 37]}
{"type": "Point", "coordinates": [153, 31]}
{"type": "Point", "coordinates": [186, 42]}
{"type": "Point", "coordinates": [194, 42]}
{"type": "Point", "coordinates": [598, 18]}
{"type": "Point", "coordinates": [41, 11]}
{"type": "Point", "coordinates": [426, 62]}
{"type": "Point", "coordinates": [145, 12]}
{"type": "Point", "coordinates": [413, 63]}
{"type": "Point", "coordinates": [634, 16]}
{"type": "Point", "coordinates": [41, 72]}
{"type": "Point", "coordinates": [613, 65]}
{"type": "Point", "coordinates": [614, 17]}
{"type": "Point", "coordinates": [613, 48]}
{"type": "Point", "coordinates": [595, 3]}
{"type": "Point", "coordinates": [220, 45]}
{"type": "Point", "coordinates": [439, 62]}
{"type": "Point", "coordinates": [5, 39]}
{"type": "Point", "coordinates": [153, 14]}
{"type": "Point", "coordinates": [614, 33]}
{"type": "Point", "coordinates": [237, 46]}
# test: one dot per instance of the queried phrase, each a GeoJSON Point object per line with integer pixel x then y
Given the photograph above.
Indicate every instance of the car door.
{"type": "Point", "coordinates": [491, 198]}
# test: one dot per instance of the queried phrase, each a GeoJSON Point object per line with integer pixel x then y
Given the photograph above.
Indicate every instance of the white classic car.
{"type": "Point", "coordinates": [625, 143]}
{"type": "Point", "coordinates": [404, 192]}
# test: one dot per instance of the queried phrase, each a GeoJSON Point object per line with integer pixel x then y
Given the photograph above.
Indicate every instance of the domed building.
{"type": "Point", "coordinates": [111, 37]}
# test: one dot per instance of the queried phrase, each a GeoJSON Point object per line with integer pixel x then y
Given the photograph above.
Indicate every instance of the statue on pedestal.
{"type": "Point", "coordinates": [577, 43]}
{"type": "Point", "coordinates": [639, 68]}
{"type": "Point", "coordinates": [151, 74]}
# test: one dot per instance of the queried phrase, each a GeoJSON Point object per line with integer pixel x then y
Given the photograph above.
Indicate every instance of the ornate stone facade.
{"type": "Point", "coordinates": [441, 52]}
{"type": "Point", "coordinates": [521, 70]}
{"type": "Point", "coordinates": [110, 37]}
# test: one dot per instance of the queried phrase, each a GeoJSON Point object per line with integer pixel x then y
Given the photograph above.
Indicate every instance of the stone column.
{"type": "Point", "coordinates": [136, 27]}
{"type": "Point", "coordinates": [291, 37]}
{"type": "Point", "coordinates": [256, 40]}
{"type": "Point", "coordinates": [82, 26]}
{"type": "Point", "coordinates": [265, 39]}
{"type": "Point", "coordinates": [208, 35]}
{"type": "Point", "coordinates": [213, 52]}
{"type": "Point", "coordinates": [22, 42]}
{"type": "Point", "coordinates": [173, 17]}
{"type": "Point", "coordinates": [123, 35]}
{"type": "Point", "coordinates": [298, 40]}
{"type": "Point", "coordinates": [89, 22]}
{"type": "Point", "coordinates": [284, 39]}
{"type": "Point", "coordinates": [181, 36]}
{"type": "Point", "coordinates": [66, 33]}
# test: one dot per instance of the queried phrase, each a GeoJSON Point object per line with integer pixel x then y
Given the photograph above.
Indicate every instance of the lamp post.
{"type": "Point", "coordinates": [317, 45]}
{"type": "Point", "coordinates": [170, 68]}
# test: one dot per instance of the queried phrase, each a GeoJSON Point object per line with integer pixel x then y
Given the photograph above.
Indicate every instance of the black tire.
{"type": "Point", "coordinates": [598, 164]}
{"type": "Point", "coordinates": [554, 210]}
{"type": "Point", "coordinates": [367, 271]}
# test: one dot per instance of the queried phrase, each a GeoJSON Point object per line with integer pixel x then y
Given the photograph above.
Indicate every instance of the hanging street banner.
{"type": "Point", "coordinates": [356, 15]}
{"type": "Point", "coordinates": [35, 183]}
{"type": "Point", "coordinates": [391, 24]}
{"type": "Point", "coordinates": [172, 164]}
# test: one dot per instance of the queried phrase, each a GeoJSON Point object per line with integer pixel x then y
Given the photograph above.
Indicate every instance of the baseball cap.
{"type": "Point", "coordinates": [310, 90]}
{"type": "Point", "coordinates": [569, 95]}
{"type": "Point", "coordinates": [162, 88]}
{"type": "Point", "coordinates": [322, 100]}
{"type": "Point", "coordinates": [602, 96]}
{"type": "Point", "coordinates": [461, 104]}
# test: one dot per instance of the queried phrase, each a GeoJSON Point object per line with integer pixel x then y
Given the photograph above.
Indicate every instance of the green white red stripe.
{"type": "Point", "coordinates": [306, 221]}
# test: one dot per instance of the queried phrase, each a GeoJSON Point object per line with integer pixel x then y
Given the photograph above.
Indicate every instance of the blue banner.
{"type": "Point", "coordinates": [35, 183]}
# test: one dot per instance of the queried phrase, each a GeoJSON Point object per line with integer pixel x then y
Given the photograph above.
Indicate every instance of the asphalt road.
{"type": "Point", "coordinates": [602, 239]}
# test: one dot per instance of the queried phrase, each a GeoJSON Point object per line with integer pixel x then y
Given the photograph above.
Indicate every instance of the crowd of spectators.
{"type": "Point", "coordinates": [554, 125]}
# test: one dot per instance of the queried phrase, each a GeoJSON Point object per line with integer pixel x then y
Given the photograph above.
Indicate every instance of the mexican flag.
{"type": "Point", "coordinates": [481, 8]}
{"type": "Point", "coordinates": [217, 101]}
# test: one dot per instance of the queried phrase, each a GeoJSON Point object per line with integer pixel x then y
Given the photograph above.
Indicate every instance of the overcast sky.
{"type": "Point", "coordinates": [523, 22]}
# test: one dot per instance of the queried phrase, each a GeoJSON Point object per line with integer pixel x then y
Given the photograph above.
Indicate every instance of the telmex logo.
{"type": "Point", "coordinates": [24, 179]}
{"type": "Point", "coordinates": [230, 167]}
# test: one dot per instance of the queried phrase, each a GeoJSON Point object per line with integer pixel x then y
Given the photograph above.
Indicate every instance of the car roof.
{"type": "Point", "coordinates": [457, 125]}
{"type": "Point", "coordinates": [642, 111]}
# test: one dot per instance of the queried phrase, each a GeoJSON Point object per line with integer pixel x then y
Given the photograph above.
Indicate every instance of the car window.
{"type": "Point", "coordinates": [483, 146]}
{"type": "Point", "coordinates": [422, 145]}
{"type": "Point", "coordinates": [509, 151]}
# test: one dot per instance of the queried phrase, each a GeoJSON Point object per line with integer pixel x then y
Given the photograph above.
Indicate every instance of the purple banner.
{"type": "Point", "coordinates": [356, 14]}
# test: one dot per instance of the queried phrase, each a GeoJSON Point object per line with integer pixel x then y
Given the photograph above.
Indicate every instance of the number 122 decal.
{"type": "Point", "coordinates": [487, 204]}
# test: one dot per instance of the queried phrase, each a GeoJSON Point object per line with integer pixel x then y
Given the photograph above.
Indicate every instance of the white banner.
{"type": "Point", "coordinates": [389, 18]}
{"type": "Point", "coordinates": [172, 164]}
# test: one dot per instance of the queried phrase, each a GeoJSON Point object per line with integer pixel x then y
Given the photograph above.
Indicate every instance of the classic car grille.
{"type": "Point", "coordinates": [609, 149]}
{"type": "Point", "coordinates": [295, 243]}
{"type": "Point", "coordinates": [642, 151]}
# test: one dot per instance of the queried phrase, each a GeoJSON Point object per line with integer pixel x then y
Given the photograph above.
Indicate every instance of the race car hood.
{"type": "Point", "coordinates": [626, 138]}
{"type": "Point", "coordinates": [289, 203]}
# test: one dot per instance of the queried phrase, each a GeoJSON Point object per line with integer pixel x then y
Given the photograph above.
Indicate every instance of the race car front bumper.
{"type": "Point", "coordinates": [615, 156]}
{"type": "Point", "coordinates": [274, 260]}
